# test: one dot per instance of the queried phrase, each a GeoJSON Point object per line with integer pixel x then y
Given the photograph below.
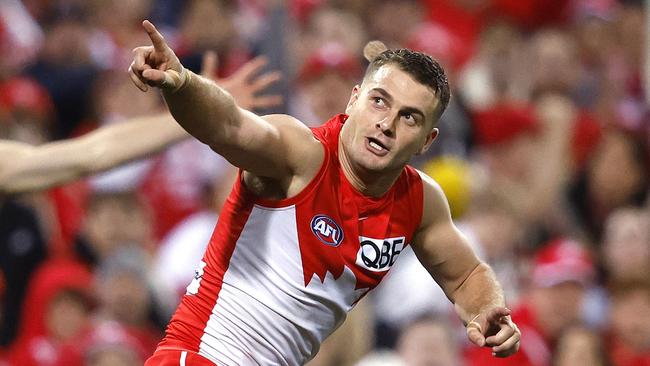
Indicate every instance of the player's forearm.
{"type": "Point", "coordinates": [479, 292]}
{"type": "Point", "coordinates": [205, 110]}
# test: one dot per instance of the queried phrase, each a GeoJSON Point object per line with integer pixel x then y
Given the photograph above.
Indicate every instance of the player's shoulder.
{"type": "Point", "coordinates": [435, 202]}
{"type": "Point", "coordinates": [304, 149]}
{"type": "Point", "coordinates": [430, 187]}
{"type": "Point", "coordinates": [291, 127]}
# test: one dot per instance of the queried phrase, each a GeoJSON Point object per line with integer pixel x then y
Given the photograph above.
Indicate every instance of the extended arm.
{"type": "Point", "coordinates": [30, 168]}
{"type": "Point", "coordinates": [469, 283]}
{"type": "Point", "coordinates": [275, 147]}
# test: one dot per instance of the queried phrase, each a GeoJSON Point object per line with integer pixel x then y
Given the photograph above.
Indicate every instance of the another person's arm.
{"type": "Point", "coordinates": [469, 283]}
{"type": "Point", "coordinates": [27, 168]}
{"type": "Point", "coordinates": [278, 147]}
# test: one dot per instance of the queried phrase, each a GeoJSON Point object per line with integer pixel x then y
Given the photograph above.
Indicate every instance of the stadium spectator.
{"type": "Point", "coordinates": [629, 340]}
{"type": "Point", "coordinates": [579, 345]}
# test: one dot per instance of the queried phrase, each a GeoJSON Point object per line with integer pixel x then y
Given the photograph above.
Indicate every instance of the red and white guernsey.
{"type": "Point", "coordinates": [279, 276]}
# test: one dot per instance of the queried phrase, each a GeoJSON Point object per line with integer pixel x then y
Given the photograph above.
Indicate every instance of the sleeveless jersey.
{"type": "Point", "coordinates": [279, 276]}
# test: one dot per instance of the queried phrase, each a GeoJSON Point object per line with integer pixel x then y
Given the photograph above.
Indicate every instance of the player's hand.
{"type": "Point", "coordinates": [157, 65]}
{"type": "Point", "coordinates": [495, 329]}
{"type": "Point", "coordinates": [244, 84]}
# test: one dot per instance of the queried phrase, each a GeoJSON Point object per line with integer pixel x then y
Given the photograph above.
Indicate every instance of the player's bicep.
{"type": "Point", "coordinates": [273, 146]}
{"type": "Point", "coordinates": [441, 248]}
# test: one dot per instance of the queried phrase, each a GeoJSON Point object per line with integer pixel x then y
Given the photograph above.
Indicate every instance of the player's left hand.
{"type": "Point", "coordinates": [495, 329]}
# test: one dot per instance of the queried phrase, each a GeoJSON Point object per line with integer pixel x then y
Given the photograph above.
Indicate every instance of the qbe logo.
{"type": "Point", "coordinates": [378, 255]}
{"type": "Point", "coordinates": [327, 230]}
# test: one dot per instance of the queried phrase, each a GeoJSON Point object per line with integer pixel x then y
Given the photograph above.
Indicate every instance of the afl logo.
{"type": "Point", "coordinates": [326, 230]}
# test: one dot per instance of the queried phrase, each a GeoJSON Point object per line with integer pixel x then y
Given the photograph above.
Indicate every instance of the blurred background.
{"type": "Point", "coordinates": [543, 154]}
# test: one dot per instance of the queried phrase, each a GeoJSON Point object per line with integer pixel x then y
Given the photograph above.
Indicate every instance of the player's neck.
{"type": "Point", "coordinates": [373, 184]}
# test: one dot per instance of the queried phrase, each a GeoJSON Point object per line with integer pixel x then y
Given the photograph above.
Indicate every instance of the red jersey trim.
{"type": "Point", "coordinates": [187, 326]}
{"type": "Point", "coordinates": [413, 178]}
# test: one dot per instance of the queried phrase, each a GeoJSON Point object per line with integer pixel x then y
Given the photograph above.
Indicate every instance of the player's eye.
{"type": "Point", "coordinates": [409, 118]}
{"type": "Point", "coordinates": [378, 101]}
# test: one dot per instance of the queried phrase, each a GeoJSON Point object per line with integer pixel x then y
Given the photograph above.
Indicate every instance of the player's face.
{"type": "Point", "coordinates": [390, 120]}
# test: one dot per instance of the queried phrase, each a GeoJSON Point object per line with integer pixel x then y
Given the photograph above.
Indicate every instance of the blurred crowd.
{"type": "Point", "coordinates": [543, 154]}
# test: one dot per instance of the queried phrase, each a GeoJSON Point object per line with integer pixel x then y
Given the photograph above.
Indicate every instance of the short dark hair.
{"type": "Point", "coordinates": [422, 67]}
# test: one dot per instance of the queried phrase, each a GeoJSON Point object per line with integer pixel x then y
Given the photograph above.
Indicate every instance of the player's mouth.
{"type": "Point", "coordinates": [376, 147]}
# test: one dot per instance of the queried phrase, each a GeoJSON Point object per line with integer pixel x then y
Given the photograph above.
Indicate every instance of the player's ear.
{"type": "Point", "coordinates": [427, 143]}
{"type": "Point", "coordinates": [354, 96]}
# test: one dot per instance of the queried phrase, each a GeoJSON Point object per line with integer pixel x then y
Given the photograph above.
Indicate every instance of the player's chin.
{"type": "Point", "coordinates": [376, 165]}
{"type": "Point", "coordinates": [369, 161]}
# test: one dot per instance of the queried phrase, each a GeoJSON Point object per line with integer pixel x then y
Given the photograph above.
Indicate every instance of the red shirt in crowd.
{"type": "Point", "coordinates": [621, 355]}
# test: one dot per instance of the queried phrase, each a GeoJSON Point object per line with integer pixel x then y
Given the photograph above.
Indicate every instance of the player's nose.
{"type": "Point", "coordinates": [387, 125]}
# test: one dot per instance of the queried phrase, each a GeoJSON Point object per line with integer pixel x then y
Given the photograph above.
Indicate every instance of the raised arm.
{"type": "Point", "coordinates": [279, 147]}
{"type": "Point", "coordinates": [469, 283]}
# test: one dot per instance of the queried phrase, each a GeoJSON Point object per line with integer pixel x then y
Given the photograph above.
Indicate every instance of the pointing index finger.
{"type": "Point", "coordinates": [157, 39]}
